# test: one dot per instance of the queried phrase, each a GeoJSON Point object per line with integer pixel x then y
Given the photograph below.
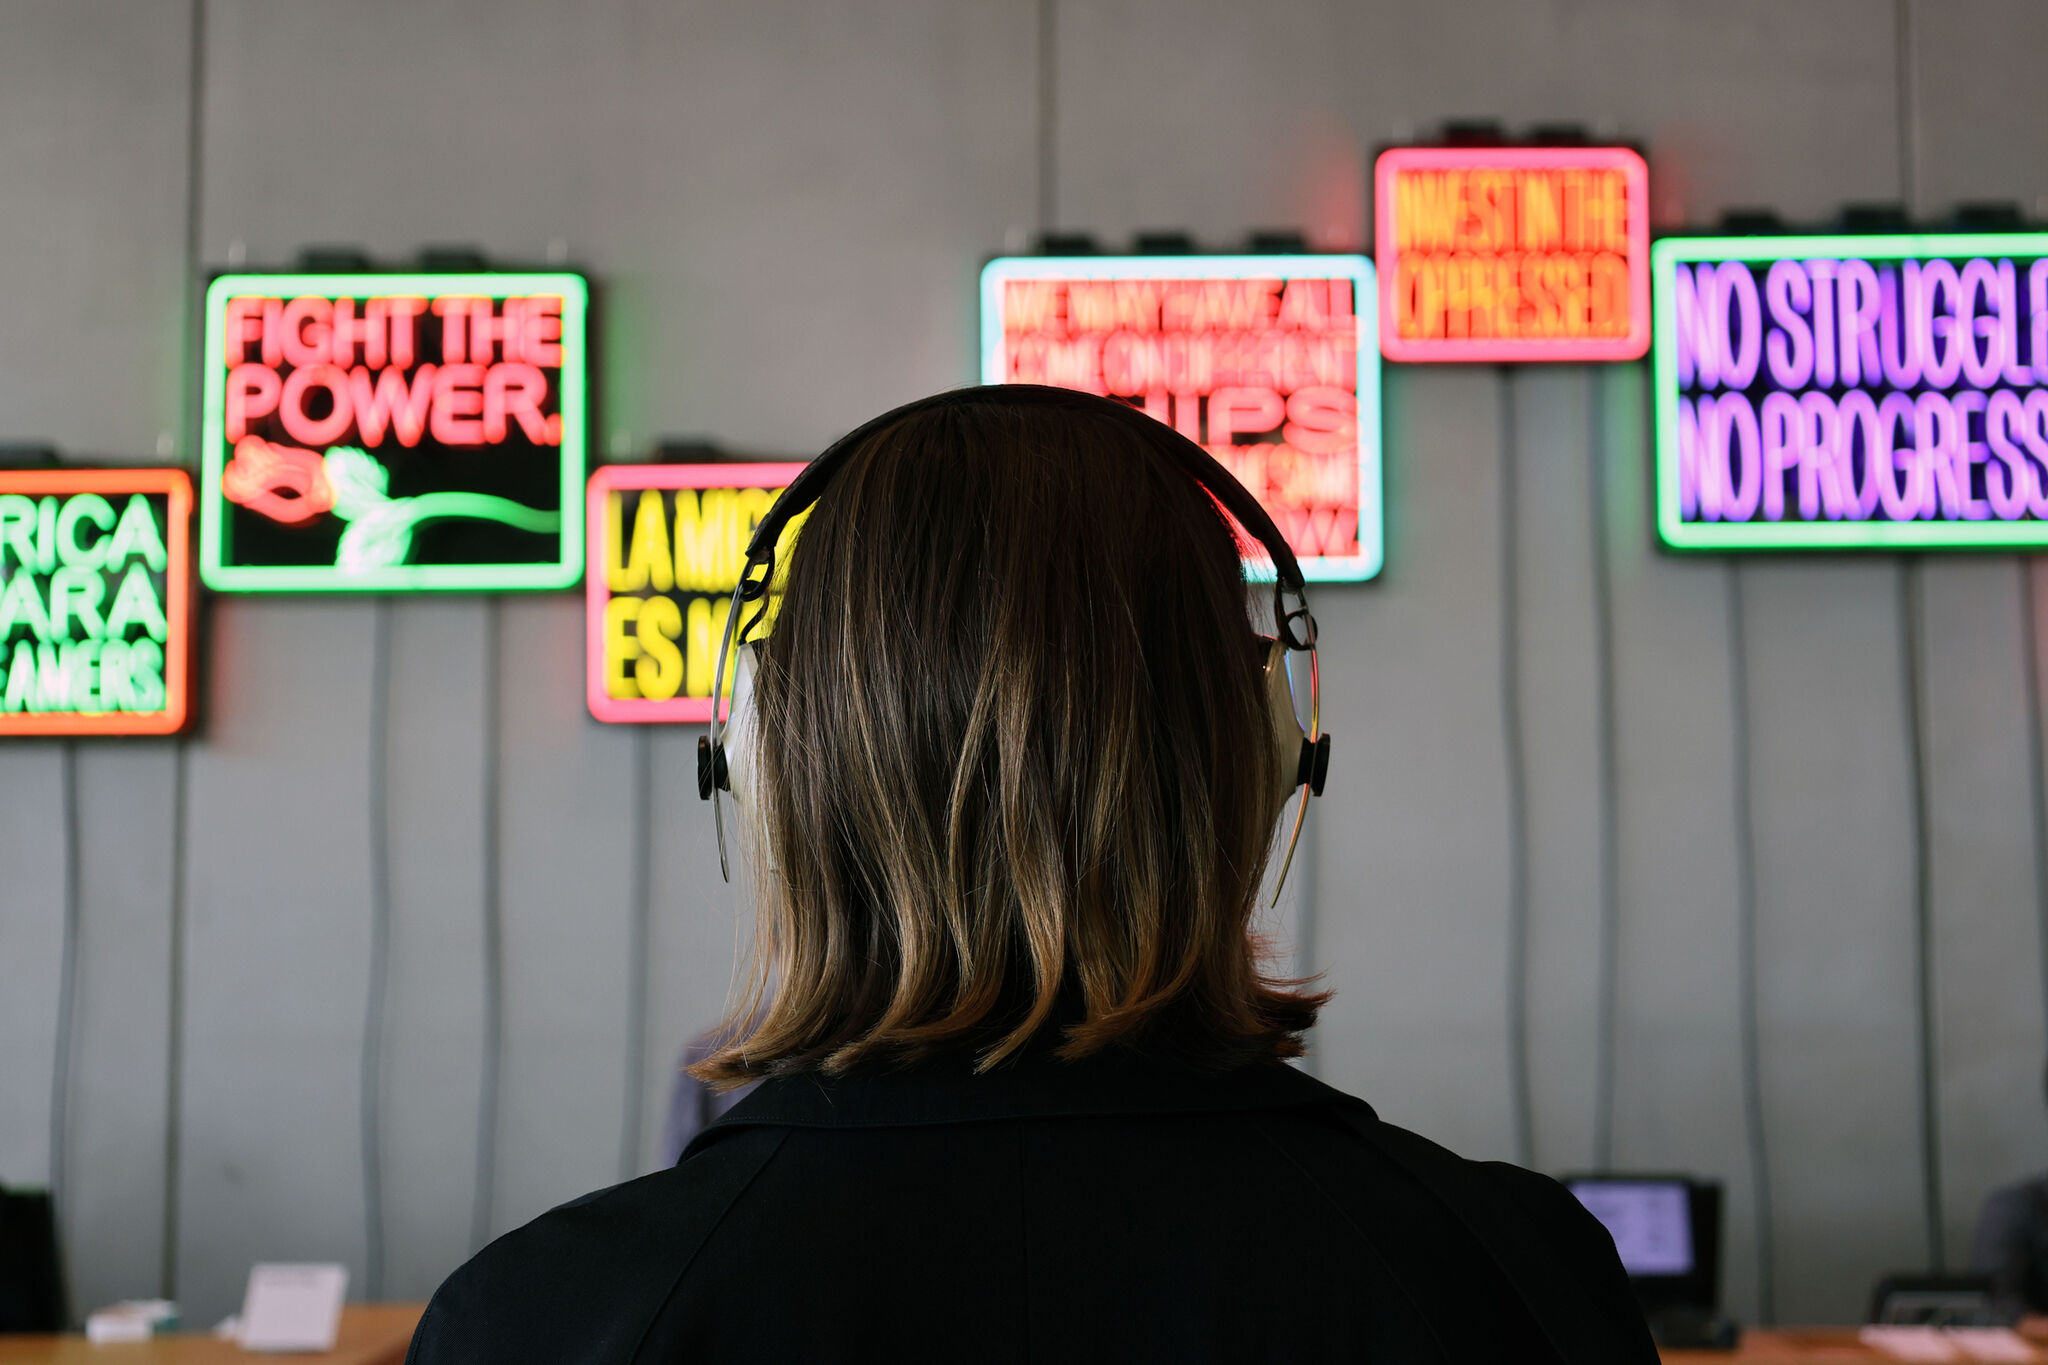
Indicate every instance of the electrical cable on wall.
{"type": "Point", "coordinates": [2037, 784]}
{"type": "Point", "coordinates": [1048, 115]}
{"type": "Point", "coordinates": [1749, 954]}
{"type": "Point", "coordinates": [379, 776]}
{"type": "Point", "coordinates": [1607, 1009]}
{"type": "Point", "coordinates": [1911, 627]}
{"type": "Point", "coordinates": [174, 1043]}
{"type": "Point", "coordinates": [188, 426]}
{"type": "Point", "coordinates": [67, 982]}
{"type": "Point", "coordinates": [493, 943]}
{"type": "Point", "coordinates": [1521, 1103]}
{"type": "Point", "coordinates": [639, 894]}
{"type": "Point", "coordinates": [1912, 607]}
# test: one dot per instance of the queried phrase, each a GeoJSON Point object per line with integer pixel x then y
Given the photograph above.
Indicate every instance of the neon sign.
{"type": "Point", "coordinates": [1852, 392]}
{"type": "Point", "coordinates": [666, 546]}
{"type": "Point", "coordinates": [95, 601]}
{"type": "Point", "coordinates": [1513, 253]}
{"type": "Point", "coordinates": [1271, 362]}
{"type": "Point", "coordinates": [386, 432]}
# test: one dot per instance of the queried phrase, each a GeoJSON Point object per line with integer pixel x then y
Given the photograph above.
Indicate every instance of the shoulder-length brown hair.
{"type": "Point", "coordinates": [1016, 775]}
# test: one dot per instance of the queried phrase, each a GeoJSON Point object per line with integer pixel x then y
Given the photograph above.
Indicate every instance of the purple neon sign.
{"type": "Point", "coordinates": [1852, 392]}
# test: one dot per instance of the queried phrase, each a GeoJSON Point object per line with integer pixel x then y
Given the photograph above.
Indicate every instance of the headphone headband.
{"type": "Point", "coordinates": [1297, 629]}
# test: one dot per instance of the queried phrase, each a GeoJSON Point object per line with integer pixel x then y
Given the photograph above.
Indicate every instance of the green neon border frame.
{"type": "Point", "coordinates": [566, 572]}
{"type": "Point", "coordinates": [1824, 535]}
{"type": "Point", "coordinates": [1372, 529]}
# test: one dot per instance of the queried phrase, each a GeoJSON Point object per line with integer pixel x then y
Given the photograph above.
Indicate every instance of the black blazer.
{"type": "Point", "coordinates": [1117, 1209]}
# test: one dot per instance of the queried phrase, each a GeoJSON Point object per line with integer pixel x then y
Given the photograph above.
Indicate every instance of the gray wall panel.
{"type": "Point", "coordinates": [278, 947]}
{"type": "Point", "coordinates": [1560, 724]}
{"type": "Point", "coordinates": [114, 1216]}
{"type": "Point", "coordinates": [564, 854]}
{"type": "Point", "coordinates": [1678, 1084]}
{"type": "Point", "coordinates": [433, 1027]}
{"type": "Point", "coordinates": [1987, 933]}
{"type": "Point", "coordinates": [93, 101]}
{"type": "Point", "coordinates": [31, 949]}
{"type": "Point", "coordinates": [1835, 869]}
{"type": "Point", "coordinates": [1977, 127]}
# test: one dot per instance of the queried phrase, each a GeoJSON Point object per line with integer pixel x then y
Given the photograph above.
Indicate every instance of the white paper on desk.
{"type": "Point", "coordinates": [1910, 1343]}
{"type": "Point", "coordinates": [293, 1307]}
{"type": "Point", "coordinates": [1992, 1343]}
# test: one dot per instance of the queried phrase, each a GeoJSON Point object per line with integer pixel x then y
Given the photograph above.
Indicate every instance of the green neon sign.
{"type": "Point", "coordinates": [393, 432]}
{"type": "Point", "coordinates": [1852, 392]}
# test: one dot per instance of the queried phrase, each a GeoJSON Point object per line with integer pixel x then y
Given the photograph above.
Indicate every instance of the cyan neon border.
{"type": "Point", "coordinates": [1364, 305]}
{"type": "Point", "coordinates": [1454, 350]}
{"type": "Point", "coordinates": [1801, 535]}
{"type": "Point", "coordinates": [563, 573]}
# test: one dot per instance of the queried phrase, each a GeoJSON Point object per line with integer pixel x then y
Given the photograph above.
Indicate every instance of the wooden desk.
{"type": "Point", "coordinates": [1803, 1346]}
{"type": "Point", "coordinates": [371, 1334]}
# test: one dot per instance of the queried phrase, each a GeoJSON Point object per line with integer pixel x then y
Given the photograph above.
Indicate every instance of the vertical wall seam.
{"type": "Point", "coordinates": [1911, 615]}
{"type": "Point", "coordinates": [67, 991]}
{"type": "Point", "coordinates": [1608, 1006]}
{"type": "Point", "coordinates": [1749, 963]}
{"type": "Point", "coordinates": [372, 1081]}
{"type": "Point", "coordinates": [2037, 782]}
{"type": "Point", "coordinates": [1048, 115]}
{"type": "Point", "coordinates": [493, 941]}
{"type": "Point", "coordinates": [1521, 1103]}
{"type": "Point", "coordinates": [1908, 110]}
{"type": "Point", "coordinates": [639, 909]}
{"type": "Point", "coordinates": [1912, 607]}
{"type": "Point", "coordinates": [174, 1030]}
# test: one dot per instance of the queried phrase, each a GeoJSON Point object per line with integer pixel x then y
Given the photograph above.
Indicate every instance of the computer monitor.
{"type": "Point", "coordinates": [1667, 1229]}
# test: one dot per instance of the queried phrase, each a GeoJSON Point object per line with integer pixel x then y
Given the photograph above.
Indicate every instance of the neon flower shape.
{"type": "Point", "coordinates": [284, 483]}
{"type": "Point", "coordinates": [380, 528]}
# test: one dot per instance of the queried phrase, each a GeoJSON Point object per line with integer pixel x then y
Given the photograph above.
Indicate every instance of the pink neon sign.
{"type": "Point", "coordinates": [666, 545]}
{"type": "Point", "coordinates": [1513, 253]}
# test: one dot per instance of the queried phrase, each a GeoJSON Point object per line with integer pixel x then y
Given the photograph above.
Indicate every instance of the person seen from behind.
{"type": "Point", "coordinates": [1008, 780]}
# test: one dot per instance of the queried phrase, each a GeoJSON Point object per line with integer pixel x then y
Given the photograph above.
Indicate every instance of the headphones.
{"type": "Point", "coordinates": [720, 754]}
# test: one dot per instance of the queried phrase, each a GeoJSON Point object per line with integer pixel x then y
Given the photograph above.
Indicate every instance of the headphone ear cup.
{"type": "Point", "coordinates": [1287, 738]}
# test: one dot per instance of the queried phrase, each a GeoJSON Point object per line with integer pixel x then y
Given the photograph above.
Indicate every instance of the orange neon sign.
{"type": "Point", "coordinates": [1513, 253]}
{"type": "Point", "coordinates": [95, 601]}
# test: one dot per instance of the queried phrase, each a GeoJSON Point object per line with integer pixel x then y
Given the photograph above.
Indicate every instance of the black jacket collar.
{"type": "Point", "coordinates": [1036, 1086]}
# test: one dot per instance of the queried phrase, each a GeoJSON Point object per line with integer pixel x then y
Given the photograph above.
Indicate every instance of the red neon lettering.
{"type": "Point", "coordinates": [515, 390]}
{"type": "Point", "coordinates": [243, 325]}
{"type": "Point", "coordinates": [1037, 306]}
{"type": "Point", "coordinates": [488, 330]}
{"type": "Point", "coordinates": [252, 392]}
{"type": "Point", "coordinates": [305, 332]}
{"type": "Point", "coordinates": [1322, 420]}
{"type": "Point", "coordinates": [391, 403]}
{"type": "Point", "coordinates": [542, 343]}
{"type": "Point", "coordinates": [452, 310]}
{"type": "Point", "coordinates": [349, 331]}
{"type": "Point", "coordinates": [458, 400]}
{"type": "Point", "coordinates": [403, 309]}
{"type": "Point", "coordinates": [1305, 305]}
{"type": "Point", "coordinates": [301, 425]}
{"type": "Point", "coordinates": [273, 332]}
{"type": "Point", "coordinates": [1242, 410]}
